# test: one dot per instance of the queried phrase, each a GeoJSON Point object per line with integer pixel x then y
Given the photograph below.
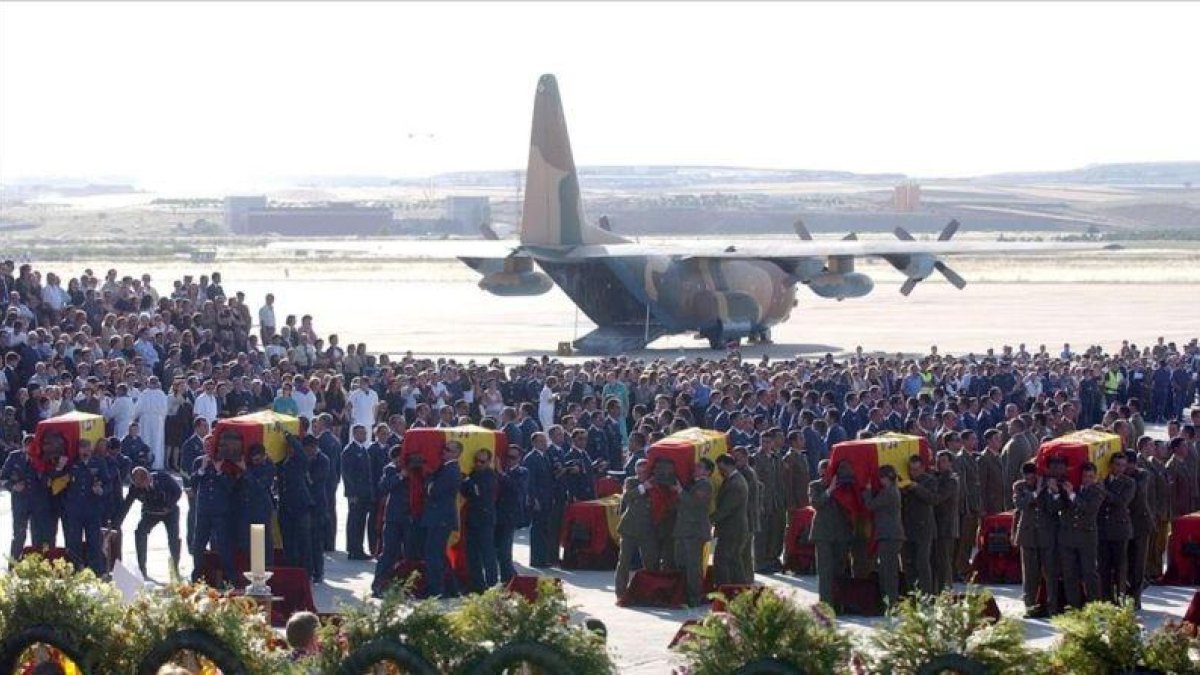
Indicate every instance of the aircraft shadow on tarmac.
{"type": "Point", "coordinates": [756, 351]}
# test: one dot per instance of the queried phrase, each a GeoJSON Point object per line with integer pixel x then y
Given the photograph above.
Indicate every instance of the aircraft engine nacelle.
{"type": "Point", "coordinates": [516, 283]}
{"type": "Point", "coordinates": [917, 266]}
{"type": "Point", "coordinates": [841, 286]}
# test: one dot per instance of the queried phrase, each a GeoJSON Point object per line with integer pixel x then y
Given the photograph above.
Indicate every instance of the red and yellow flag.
{"type": "Point", "coordinates": [684, 449]}
{"type": "Point", "coordinates": [1079, 447]}
{"type": "Point", "coordinates": [266, 427]}
{"type": "Point", "coordinates": [863, 457]}
{"type": "Point", "coordinates": [72, 427]}
{"type": "Point", "coordinates": [427, 443]}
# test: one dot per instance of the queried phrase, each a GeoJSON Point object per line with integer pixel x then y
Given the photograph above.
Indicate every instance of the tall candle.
{"type": "Point", "coordinates": [258, 549]}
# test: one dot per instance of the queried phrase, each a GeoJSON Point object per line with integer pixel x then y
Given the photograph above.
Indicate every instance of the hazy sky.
{"type": "Point", "coordinates": [225, 95]}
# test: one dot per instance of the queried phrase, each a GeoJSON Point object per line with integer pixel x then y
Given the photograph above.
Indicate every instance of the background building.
{"type": "Point", "coordinates": [251, 215]}
{"type": "Point", "coordinates": [466, 214]}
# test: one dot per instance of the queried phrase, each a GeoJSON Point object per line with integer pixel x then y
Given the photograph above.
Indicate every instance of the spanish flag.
{"type": "Point", "coordinates": [72, 427]}
{"type": "Point", "coordinates": [427, 443]}
{"type": "Point", "coordinates": [1079, 447]}
{"type": "Point", "coordinates": [684, 449]}
{"type": "Point", "coordinates": [266, 427]}
{"type": "Point", "coordinates": [862, 459]}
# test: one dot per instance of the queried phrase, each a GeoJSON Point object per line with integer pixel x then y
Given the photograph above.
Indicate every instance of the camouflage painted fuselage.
{"type": "Point", "coordinates": [728, 298]}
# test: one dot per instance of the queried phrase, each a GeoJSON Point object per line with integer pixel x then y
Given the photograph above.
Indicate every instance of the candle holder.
{"type": "Point", "coordinates": [258, 583]}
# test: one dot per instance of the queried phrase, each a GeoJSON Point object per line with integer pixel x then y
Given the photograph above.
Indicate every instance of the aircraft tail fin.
{"type": "Point", "coordinates": [553, 213]}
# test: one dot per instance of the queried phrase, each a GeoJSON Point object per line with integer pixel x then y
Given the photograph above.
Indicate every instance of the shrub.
{"type": "Point", "coordinates": [1106, 638]}
{"type": "Point", "coordinates": [921, 628]}
{"type": "Point", "coordinates": [757, 626]}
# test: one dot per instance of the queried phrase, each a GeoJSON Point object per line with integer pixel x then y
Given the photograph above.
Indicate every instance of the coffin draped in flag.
{"type": "Point", "coordinates": [421, 454]}
{"type": "Point", "coordinates": [862, 459]}
{"type": "Point", "coordinates": [268, 428]}
{"type": "Point", "coordinates": [61, 435]}
{"type": "Point", "coordinates": [683, 449]}
{"type": "Point", "coordinates": [1078, 448]}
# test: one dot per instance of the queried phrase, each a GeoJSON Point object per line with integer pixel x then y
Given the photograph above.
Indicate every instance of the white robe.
{"type": "Point", "coordinates": [151, 414]}
{"type": "Point", "coordinates": [120, 413]}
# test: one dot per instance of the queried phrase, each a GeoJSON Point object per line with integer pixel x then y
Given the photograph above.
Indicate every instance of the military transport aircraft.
{"type": "Point", "coordinates": [636, 293]}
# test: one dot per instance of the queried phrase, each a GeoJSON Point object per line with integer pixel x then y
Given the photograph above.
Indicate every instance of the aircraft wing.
{"type": "Point", "coordinates": [786, 249]}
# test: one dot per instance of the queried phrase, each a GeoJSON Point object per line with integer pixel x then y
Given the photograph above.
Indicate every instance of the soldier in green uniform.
{"type": "Point", "coordinates": [796, 472]}
{"type": "Point", "coordinates": [768, 545]}
{"type": "Point", "coordinates": [635, 526]}
{"type": "Point", "coordinates": [884, 504]}
{"type": "Point", "coordinates": [1033, 532]}
{"type": "Point", "coordinates": [970, 502]}
{"type": "Point", "coordinates": [1018, 450]}
{"type": "Point", "coordinates": [1077, 537]}
{"type": "Point", "coordinates": [993, 491]}
{"type": "Point", "coordinates": [945, 515]}
{"type": "Point", "coordinates": [830, 531]}
{"type": "Point", "coordinates": [753, 507]}
{"type": "Point", "coordinates": [1115, 529]}
{"type": "Point", "coordinates": [692, 529]}
{"type": "Point", "coordinates": [730, 524]}
{"type": "Point", "coordinates": [1141, 513]}
{"type": "Point", "coordinates": [1152, 461]}
{"type": "Point", "coordinates": [916, 503]}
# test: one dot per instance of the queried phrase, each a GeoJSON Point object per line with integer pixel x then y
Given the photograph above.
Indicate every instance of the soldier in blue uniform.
{"type": "Point", "coordinates": [377, 452]}
{"type": "Point", "coordinates": [120, 470]}
{"type": "Point", "coordinates": [397, 519]}
{"type": "Point", "coordinates": [256, 502]}
{"type": "Point", "coordinates": [159, 494]}
{"type": "Point", "coordinates": [331, 448]}
{"type": "Point", "coordinates": [479, 490]}
{"type": "Point", "coordinates": [440, 517]}
{"type": "Point", "coordinates": [83, 505]}
{"type": "Point", "coordinates": [359, 491]}
{"type": "Point", "coordinates": [511, 499]}
{"type": "Point", "coordinates": [296, 503]}
{"type": "Point", "coordinates": [528, 423]}
{"type": "Point", "coordinates": [614, 436]}
{"type": "Point", "coordinates": [135, 449]}
{"type": "Point", "coordinates": [28, 491]}
{"type": "Point", "coordinates": [189, 455]}
{"type": "Point", "coordinates": [214, 502]}
{"type": "Point", "coordinates": [318, 485]}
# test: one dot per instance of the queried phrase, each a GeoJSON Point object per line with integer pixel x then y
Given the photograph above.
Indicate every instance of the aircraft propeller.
{"type": "Point", "coordinates": [918, 267]}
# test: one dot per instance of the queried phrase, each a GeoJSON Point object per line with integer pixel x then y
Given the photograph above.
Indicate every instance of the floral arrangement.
{"type": "Point", "coordinates": [1105, 638]}
{"type": "Point", "coordinates": [759, 626]}
{"type": "Point", "coordinates": [921, 628]}
{"type": "Point", "coordinates": [82, 609]}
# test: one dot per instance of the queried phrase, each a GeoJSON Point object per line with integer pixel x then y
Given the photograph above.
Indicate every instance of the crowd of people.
{"type": "Point", "coordinates": [163, 368]}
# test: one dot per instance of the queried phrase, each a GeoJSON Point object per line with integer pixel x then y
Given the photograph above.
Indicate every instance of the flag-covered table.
{"type": "Point", "coordinates": [1183, 551]}
{"type": "Point", "coordinates": [996, 560]}
{"type": "Point", "coordinates": [589, 534]}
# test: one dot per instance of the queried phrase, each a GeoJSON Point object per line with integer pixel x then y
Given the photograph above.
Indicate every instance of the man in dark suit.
{"type": "Point", "coordinates": [692, 529]}
{"type": "Point", "coordinates": [397, 518]}
{"type": "Point", "coordinates": [543, 544]}
{"type": "Point", "coordinates": [730, 523]}
{"type": "Point", "coordinates": [512, 499]}
{"type": "Point", "coordinates": [359, 491]}
{"type": "Point", "coordinates": [830, 531]}
{"type": "Point", "coordinates": [1077, 537]}
{"type": "Point", "coordinates": [884, 505]}
{"type": "Point", "coordinates": [296, 503]}
{"type": "Point", "coordinates": [917, 501]}
{"type": "Point", "coordinates": [636, 527]}
{"type": "Point", "coordinates": [1115, 529]}
{"type": "Point", "coordinates": [479, 491]}
{"type": "Point", "coordinates": [441, 517]}
{"type": "Point", "coordinates": [318, 486]}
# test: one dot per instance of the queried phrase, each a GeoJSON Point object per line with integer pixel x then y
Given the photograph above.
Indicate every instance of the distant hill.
{"type": "Point", "coordinates": [1135, 173]}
